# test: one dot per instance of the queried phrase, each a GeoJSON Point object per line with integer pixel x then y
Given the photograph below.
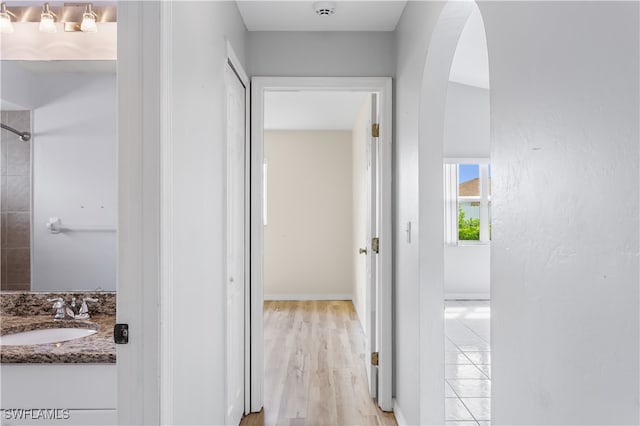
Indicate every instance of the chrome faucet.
{"type": "Point", "coordinates": [62, 310]}
{"type": "Point", "coordinates": [84, 309]}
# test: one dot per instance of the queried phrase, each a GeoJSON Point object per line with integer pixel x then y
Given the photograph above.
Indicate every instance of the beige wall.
{"type": "Point", "coordinates": [359, 200]}
{"type": "Point", "coordinates": [308, 237]}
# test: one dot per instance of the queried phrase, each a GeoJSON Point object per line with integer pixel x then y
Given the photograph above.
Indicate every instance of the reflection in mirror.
{"type": "Point", "coordinates": [59, 201]}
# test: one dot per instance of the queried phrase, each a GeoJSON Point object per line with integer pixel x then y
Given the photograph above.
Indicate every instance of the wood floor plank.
{"type": "Point", "coordinates": [315, 367]}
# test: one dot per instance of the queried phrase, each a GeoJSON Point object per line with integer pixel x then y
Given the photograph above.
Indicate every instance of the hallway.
{"type": "Point", "coordinates": [315, 367]}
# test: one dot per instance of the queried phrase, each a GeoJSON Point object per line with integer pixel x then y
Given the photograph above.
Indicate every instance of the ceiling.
{"type": "Point", "coordinates": [307, 110]}
{"type": "Point", "coordinates": [294, 15]}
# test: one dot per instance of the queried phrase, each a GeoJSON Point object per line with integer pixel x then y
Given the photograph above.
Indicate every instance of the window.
{"type": "Point", "coordinates": [467, 194]}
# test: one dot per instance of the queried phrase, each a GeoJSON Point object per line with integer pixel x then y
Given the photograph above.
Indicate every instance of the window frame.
{"type": "Point", "coordinates": [484, 199]}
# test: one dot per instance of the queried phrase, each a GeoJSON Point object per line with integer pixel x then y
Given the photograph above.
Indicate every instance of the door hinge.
{"type": "Point", "coordinates": [374, 358]}
{"type": "Point", "coordinates": [375, 245]}
{"type": "Point", "coordinates": [375, 130]}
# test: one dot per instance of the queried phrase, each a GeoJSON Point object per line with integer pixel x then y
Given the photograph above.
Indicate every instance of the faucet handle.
{"type": "Point", "coordinates": [84, 309]}
{"type": "Point", "coordinates": [58, 302]}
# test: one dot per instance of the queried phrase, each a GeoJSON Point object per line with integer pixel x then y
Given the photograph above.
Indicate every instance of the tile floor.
{"type": "Point", "coordinates": [467, 363]}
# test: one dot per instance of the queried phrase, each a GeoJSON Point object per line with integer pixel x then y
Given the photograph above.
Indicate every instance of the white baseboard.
{"type": "Point", "coordinates": [467, 296]}
{"type": "Point", "coordinates": [402, 421]}
{"type": "Point", "coordinates": [308, 297]}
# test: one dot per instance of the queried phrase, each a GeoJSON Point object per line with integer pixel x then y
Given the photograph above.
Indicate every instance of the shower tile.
{"type": "Point", "coordinates": [18, 157]}
{"type": "Point", "coordinates": [3, 269]}
{"type": "Point", "coordinates": [18, 194]}
{"type": "Point", "coordinates": [18, 230]}
{"type": "Point", "coordinates": [3, 194]}
{"type": "Point", "coordinates": [3, 156]}
{"type": "Point", "coordinates": [18, 266]}
{"type": "Point", "coordinates": [3, 230]}
{"type": "Point", "coordinates": [17, 119]}
{"type": "Point", "coordinates": [19, 287]}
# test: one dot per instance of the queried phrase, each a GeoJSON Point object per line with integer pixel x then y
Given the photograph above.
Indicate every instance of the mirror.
{"type": "Point", "coordinates": [59, 189]}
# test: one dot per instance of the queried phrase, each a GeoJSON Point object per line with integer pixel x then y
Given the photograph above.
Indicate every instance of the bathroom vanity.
{"type": "Point", "coordinates": [69, 382]}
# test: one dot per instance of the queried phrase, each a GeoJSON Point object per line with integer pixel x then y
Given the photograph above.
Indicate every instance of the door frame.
{"type": "Point", "coordinates": [254, 317]}
{"type": "Point", "coordinates": [235, 67]}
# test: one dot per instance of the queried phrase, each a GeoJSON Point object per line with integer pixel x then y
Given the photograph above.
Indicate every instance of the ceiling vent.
{"type": "Point", "coordinates": [324, 8]}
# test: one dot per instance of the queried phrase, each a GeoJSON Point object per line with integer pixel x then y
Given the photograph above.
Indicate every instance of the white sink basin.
{"type": "Point", "coordinates": [48, 335]}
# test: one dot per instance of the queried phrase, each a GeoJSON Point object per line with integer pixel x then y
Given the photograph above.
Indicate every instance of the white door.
{"type": "Point", "coordinates": [236, 211]}
{"type": "Point", "coordinates": [372, 233]}
{"type": "Point", "coordinates": [379, 304]}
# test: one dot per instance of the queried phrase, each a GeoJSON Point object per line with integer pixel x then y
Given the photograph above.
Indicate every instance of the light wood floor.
{"type": "Point", "coordinates": [315, 367]}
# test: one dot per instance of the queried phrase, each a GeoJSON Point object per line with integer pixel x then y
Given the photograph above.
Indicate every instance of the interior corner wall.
{"type": "Point", "coordinates": [565, 266]}
{"type": "Point", "coordinates": [359, 191]}
{"type": "Point", "coordinates": [308, 236]}
{"type": "Point", "coordinates": [198, 187]}
{"type": "Point", "coordinates": [325, 54]}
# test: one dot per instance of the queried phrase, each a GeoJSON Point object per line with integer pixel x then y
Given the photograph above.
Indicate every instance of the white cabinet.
{"type": "Point", "coordinates": [58, 394]}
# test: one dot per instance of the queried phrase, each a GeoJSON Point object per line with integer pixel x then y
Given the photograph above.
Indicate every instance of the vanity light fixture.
{"type": "Point", "coordinates": [89, 21]}
{"type": "Point", "coordinates": [47, 20]}
{"type": "Point", "coordinates": [6, 27]}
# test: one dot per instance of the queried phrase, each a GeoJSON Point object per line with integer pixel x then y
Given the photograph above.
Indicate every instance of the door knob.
{"type": "Point", "coordinates": [362, 251]}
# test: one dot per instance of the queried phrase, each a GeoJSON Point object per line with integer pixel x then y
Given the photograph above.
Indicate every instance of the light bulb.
{"type": "Point", "coordinates": [5, 23]}
{"type": "Point", "coordinates": [88, 23]}
{"type": "Point", "coordinates": [47, 23]}
{"type": "Point", "coordinates": [47, 20]}
{"type": "Point", "coordinates": [6, 27]}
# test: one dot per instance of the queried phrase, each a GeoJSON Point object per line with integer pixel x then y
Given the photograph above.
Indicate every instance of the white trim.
{"type": "Point", "coordinates": [166, 217]}
{"type": "Point", "coordinates": [139, 217]}
{"type": "Point", "coordinates": [383, 86]}
{"type": "Point", "coordinates": [237, 65]}
{"type": "Point", "coordinates": [467, 296]}
{"type": "Point", "coordinates": [466, 160]}
{"type": "Point", "coordinates": [400, 418]}
{"type": "Point", "coordinates": [232, 58]}
{"type": "Point", "coordinates": [289, 296]}
{"type": "Point", "coordinates": [431, 117]}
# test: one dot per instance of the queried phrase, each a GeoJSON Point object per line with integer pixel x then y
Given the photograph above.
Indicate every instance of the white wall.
{"type": "Point", "coordinates": [565, 131]}
{"type": "Point", "coordinates": [74, 174]}
{"type": "Point", "coordinates": [197, 35]}
{"type": "Point", "coordinates": [565, 107]}
{"type": "Point", "coordinates": [466, 135]}
{"type": "Point", "coordinates": [467, 271]}
{"type": "Point", "coordinates": [359, 160]}
{"type": "Point", "coordinates": [312, 54]}
{"type": "Point", "coordinates": [309, 232]}
{"type": "Point", "coordinates": [466, 126]}
{"type": "Point", "coordinates": [413, 36]}
{"type": "Point", "coordinates": [74, 178]}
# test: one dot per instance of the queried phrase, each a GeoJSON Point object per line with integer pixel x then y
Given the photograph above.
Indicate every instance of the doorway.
{"type": "Point", "coordinates": [467, 212]}
{"type": "Point", "coordinates": [274, 276]}
{"type": "Point", "coordinates": [454, 138]}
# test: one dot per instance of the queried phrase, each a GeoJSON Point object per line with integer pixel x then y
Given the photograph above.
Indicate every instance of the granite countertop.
{"type": "Point", "coordinates": [99, 348]}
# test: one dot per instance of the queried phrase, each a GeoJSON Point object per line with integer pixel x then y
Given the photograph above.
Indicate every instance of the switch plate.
{"type": "Point", "coordinates": [121, 334]}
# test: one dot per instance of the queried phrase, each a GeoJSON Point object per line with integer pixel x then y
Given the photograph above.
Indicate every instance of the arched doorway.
{"type": "Point", "coordinates": [436, 85]}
